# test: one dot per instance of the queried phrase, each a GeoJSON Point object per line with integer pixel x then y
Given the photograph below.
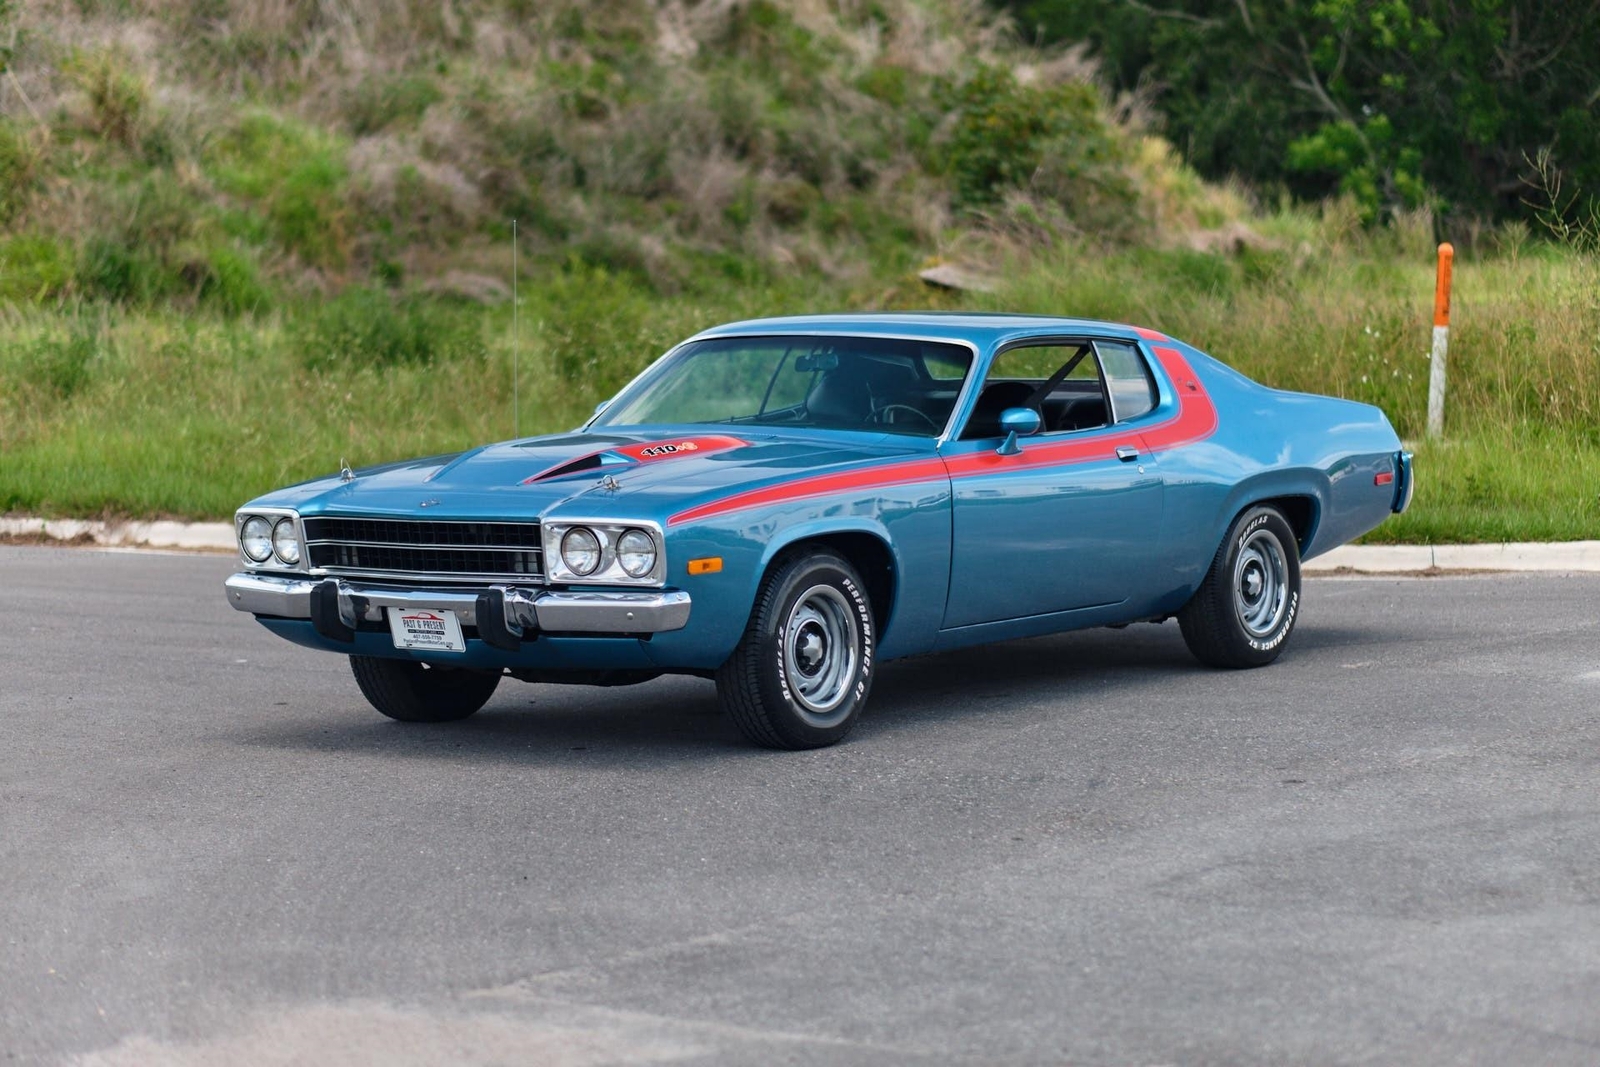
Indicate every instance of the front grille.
{"type": "Point", "coordinates": [407, 548]}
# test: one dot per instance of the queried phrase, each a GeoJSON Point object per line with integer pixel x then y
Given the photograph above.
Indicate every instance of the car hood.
{"type": "Point", "coordinates": [641, 474]}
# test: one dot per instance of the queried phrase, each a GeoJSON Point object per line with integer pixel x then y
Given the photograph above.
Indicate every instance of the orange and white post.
{"type": "Point", "coordinates": [1441, 341]}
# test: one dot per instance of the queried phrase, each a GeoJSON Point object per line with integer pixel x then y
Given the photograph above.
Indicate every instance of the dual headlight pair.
{"type": "Point", "coordinates": [260, 539]}
{"type": "Point", "coordinates": [583, 551]}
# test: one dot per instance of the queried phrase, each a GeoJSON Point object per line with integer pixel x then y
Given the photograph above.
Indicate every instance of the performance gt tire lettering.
{"type": "Point", "coordinates": [756, 688]}
{"type": "Point", "coordinates": [1254, 578]}
{"type": "Point", "coordinates": [409, 691]}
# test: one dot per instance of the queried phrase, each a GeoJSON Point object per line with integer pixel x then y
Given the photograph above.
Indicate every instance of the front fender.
{"type": "Point", "coordinates": [818, 528]}
{"type": "Point", "coordinates": [912, 523]}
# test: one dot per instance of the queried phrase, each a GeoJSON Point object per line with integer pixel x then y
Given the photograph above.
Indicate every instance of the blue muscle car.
{"type": "Point", "coordinates": [783, 504]}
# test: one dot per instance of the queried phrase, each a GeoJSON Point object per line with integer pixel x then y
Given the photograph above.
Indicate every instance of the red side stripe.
{"type": "Point", "coordinates": [1196, 419]}
{"type": "Point", "coordinates": [906, 473]}
{"type": "Point", "coordinates": [1150, 335]}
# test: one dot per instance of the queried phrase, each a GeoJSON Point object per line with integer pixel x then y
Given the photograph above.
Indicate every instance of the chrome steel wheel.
{"type": "Point", "coordinates": [802, 670]}
{"type": "Point", "coordinates": [1244, 609]}
{"type": "Point", "coordinates": [1261, 584]}
{"type": "Point", "coordinates": [821, 642]}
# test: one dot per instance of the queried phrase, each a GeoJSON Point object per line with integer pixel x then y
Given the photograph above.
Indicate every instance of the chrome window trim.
{"type": "Point", "coordinates": [1050, 340]}
{"type": "Point", "coordinates": [1150, 379]}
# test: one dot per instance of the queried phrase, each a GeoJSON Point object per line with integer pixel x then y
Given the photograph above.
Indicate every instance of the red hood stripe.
{"type": "Point", "coordinates": [1195, 420]}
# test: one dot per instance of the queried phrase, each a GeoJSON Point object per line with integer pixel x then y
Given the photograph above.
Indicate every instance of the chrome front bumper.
{"type": "Point", "coordinates": [503, 615]}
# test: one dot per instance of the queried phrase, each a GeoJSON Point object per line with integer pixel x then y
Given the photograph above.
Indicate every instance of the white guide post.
{"type": "Point", "coordinates": [1441, 341]}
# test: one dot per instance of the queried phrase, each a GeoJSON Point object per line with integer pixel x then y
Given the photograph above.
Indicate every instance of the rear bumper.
{"type": "Point", "coordinates": [503, 615]}
{"type": "Point", "coordinates": [1404, 484]}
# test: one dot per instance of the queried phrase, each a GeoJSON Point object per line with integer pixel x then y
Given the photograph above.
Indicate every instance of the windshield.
{"type": "Point", "coordinates": [845, 383]}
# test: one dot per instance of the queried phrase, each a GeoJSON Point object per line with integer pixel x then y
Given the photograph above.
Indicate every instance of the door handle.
{"type": "Point", "coordinates": [1127, 453]}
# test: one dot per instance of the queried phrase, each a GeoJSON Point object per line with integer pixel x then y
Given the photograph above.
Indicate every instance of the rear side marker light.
{"type": "Point", "coordinates": [708, 565]}
{"type": "Point", "coordinates": [1385, 478]}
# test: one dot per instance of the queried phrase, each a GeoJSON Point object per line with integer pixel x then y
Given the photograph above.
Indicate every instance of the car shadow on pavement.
{"type": "Point", "coordinates": [677, 718]}
{"type": "Point", "coordinates": [662, 721]}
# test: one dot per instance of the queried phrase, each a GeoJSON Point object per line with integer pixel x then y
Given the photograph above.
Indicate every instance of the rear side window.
{"type": "Point", "coordinates": [1127, 379]}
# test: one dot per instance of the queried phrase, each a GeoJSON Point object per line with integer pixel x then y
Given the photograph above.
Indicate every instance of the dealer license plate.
{"type": "Point", "coordinates": [433, 629]}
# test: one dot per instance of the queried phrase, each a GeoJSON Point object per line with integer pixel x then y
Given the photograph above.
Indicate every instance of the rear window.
{"type": "Point", "coordinates": [1133, 393]}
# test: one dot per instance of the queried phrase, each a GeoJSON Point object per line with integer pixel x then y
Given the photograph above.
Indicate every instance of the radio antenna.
{"type": "Point", "coordinates": [516, 406]}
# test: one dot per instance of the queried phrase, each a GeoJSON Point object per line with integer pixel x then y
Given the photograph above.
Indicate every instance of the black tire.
{"type": "Point", "coordinates": [409, 691]}
{"type": "Point", "coordinates": [801, 673]}
{"type": "Point", "coordinates": [1246, 607]}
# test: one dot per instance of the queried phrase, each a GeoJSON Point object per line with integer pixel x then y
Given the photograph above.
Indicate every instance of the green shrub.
{"type": "Point", "coordinates": [144, 250]}
{"type": "Point", "coordinates": [62, 365]}
{"type": "Point", "coordinates": [1049, 138]}
{"type": "Point", "coordinates": [232, 282]}
{"type": "Point", "coordinates": [111, 269]}
{"type": "Point", "coordinates": [308, 211]}
{"type": "Point", "coordinates": [33, 267]}
{"type": "Point", "coordinates": [20, 160]}
{"type": "Point", "coordinates": [117, 94]}
{"type": "Point", "coordinates": [297, 175]}
{"type": "Point", "coordinates": [368, 328]}
{"type": "Point", "coordinates": [380, 102]}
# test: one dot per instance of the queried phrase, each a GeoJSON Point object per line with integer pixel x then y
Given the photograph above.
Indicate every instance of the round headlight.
{"type": "Point", "coordinates": [580, 551]}
{"type": "Point", "coordinates": [255, 538]}
{"type": "Point", "coordinates": [636, 551]}
{"type": "Point", "coordinates": [284, 543]}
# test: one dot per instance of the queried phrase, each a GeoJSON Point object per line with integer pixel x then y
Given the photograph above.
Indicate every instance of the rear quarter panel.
{"type": "Point", "coordinates": [1271, 444]}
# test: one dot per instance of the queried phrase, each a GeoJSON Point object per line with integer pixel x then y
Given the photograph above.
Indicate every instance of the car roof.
{"type": "Point", "coordinates": [982, 329]}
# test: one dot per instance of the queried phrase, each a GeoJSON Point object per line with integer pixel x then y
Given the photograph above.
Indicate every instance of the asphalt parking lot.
{"type": "Point", "coordinates": [1073, 850]}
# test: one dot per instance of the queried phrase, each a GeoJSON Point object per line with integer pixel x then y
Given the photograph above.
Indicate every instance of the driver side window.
{"type": "Point", "coordinates": [1062, 382]}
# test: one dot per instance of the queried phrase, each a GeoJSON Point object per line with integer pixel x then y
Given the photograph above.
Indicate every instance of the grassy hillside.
{"type": "Point", "coordinates": [239, 242]}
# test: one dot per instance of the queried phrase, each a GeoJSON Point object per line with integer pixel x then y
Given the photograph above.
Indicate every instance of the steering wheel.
{"type": "Point", "coordinates": [885, 414]}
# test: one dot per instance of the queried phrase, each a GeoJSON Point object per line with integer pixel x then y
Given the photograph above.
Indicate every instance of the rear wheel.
{"type": "Point", "coordinates": [802, 670]}
{"type": "Point", "coordinates": [421, 692]}
{"type": "Point", "coordinates": [1245, 609]}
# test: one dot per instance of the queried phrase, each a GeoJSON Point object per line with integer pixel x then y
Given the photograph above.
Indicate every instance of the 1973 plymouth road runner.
{"type": "Point", "coordinates": [784, 504]}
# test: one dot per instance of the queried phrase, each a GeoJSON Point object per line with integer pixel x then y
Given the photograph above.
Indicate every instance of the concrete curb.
{"type": "Point", "coordinates": [189, 536]}
{"type": "Point", "coordinates": [1556, 557]}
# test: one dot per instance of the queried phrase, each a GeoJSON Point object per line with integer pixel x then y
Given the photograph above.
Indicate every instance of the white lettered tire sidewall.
{"type": "Point", "coordinates": [1245, 609]}
{"type": "Point", "coordinates": [808, 602]}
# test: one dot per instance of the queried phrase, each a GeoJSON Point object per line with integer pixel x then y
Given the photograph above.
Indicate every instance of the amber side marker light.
{"type": "Point", "coordinates": [708, 565]}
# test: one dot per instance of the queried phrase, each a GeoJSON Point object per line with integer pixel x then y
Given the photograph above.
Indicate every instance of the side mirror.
{"type": "Point", "coordinates": [1017, 422]}
{"type": "Point", "coordinates": [598, 408]}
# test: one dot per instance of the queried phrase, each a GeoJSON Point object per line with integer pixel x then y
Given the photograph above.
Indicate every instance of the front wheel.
{"type": "Point", "coordinates": [803, 667]}
{"type": "Point", "coordinates": [409, 691]}
{"type": "Point", "coordinates": [1245, 608]}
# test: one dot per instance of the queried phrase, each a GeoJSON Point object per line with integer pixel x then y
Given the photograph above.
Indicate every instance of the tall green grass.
{"type": "Point", "coordinates": [1520, 457]}
{"type": "Point", "coordinates": [161, 412]}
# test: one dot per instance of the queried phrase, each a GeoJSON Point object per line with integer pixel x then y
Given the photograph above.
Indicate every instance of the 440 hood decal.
{"type": "Point", "coordinates": [647, 452]}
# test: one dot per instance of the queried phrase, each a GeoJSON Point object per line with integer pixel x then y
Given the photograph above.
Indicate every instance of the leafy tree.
{"type": "Point", "coordinates": [1049, 139]}
{"type": "Point", "coordinates": [1397, 102]}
